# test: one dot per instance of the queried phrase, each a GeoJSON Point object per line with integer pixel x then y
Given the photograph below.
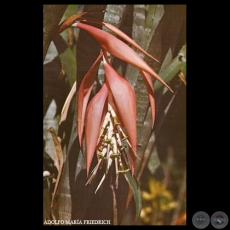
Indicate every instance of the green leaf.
{"type": "Point", "coordinates": [69, 62]}
{"type": "Point", "coordinates": [68, 58]}
{"type": "Point", "coordinates": [183, 70]}
{"type": "Point", "coordinates": [176, 65]}
{"type": "Point", "coordinates": [134, 185]}
{"type": "Point", "coordinates": [154, 161]}
{"type": "Point", "coordinates": [156, 18]}
{"type": "Point", "coordinates": [149, 19]}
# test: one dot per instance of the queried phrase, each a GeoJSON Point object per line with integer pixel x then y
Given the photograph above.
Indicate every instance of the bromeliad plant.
{"type": "Point", "coordinates": [107, 122]}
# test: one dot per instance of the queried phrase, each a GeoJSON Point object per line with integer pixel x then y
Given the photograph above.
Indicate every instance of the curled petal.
{"type": "Point", "coordinates": [121, 34]}
{"type": "Point", "coordinates": [83, 95]}
{"type": "Point", "coordinates": [94, 114]}
{"type": "Point", "coordinates": [127, 38]}
{"type": "Point", "coordinates": [119, 49]}
{"type": "Point", "coordinates": [125, 100]}
{"type": "Point", "coordinates": [69, 21]}
{"type": "Point", "coordinates": [149, 85]}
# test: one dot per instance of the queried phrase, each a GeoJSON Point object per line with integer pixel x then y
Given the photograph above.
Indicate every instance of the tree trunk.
{"type": "Point", "coordinates": [52, 15]}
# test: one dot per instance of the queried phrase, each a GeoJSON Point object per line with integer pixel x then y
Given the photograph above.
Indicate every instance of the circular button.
{"type": "Point", "coordinates": [200, 219]}
{"type": "Point", "coordinates": [219, 220]}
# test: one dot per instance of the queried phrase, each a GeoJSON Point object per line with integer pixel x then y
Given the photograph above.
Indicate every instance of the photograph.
{"type": "Point", "coordinates": [114, 115]}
